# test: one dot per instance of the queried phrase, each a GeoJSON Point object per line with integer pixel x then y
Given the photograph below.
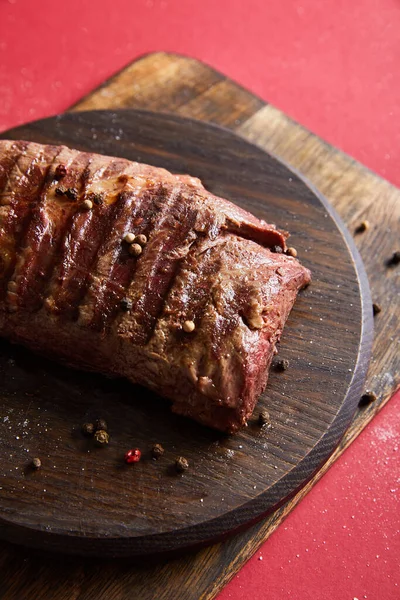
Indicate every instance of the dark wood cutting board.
{"type": "Point", "coordinates": [86, 499]}
{"type": "Point", "coordinates": [192, 89]}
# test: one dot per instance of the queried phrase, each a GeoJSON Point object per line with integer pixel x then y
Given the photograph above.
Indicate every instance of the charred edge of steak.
{"type": "Point", "coordinates": [22, 206]}
{"type": "Point", "coordinates": [79, 252]}
{"type": "Point", "coordinates": [50, 223]}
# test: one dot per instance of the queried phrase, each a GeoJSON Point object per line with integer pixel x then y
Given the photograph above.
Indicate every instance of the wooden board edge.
{"type": "Point", "coordinates": [262, 531]}
{"type": "Point", "coordinates": [254, 510]}
{"type": "Point", "coordinates": [106, 101]}
{"type": "Point", "coordinates": [79, 105]}
{"type": "Point", "coordinates": [362, 418]}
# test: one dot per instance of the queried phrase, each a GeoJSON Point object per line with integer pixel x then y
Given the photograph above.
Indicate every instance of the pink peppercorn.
{"type": "Point", "coordinates": [132, 456]}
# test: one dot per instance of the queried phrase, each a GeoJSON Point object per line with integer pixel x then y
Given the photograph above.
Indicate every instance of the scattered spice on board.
{"type": "Point", "coordinates": [363, 226]}
{"type": "Point", "coordinates": [157, 451]}
{"type": "Point", "coordinates": [264, 418]}
{"type": "Point", "coordinates": [188, 326]}
{"type": "Point", "coordinates": [36, 463]}
{"type": "Point", "coordinates": [132, 456]}
{"type": "Point", "coordinates": [101, 437]}
{"type": "Point", "coordinates": [282, 364]}
{"type": "Point", "coordinates": [181, 464]}
{"type": "Point", "coordinates": [394, 259]}
{"type": "Point", "coordinates": [367, 398]}
{"type": "Point", "coordinates": [101, 424]}
{"type": "Point", "coordinates": [376, 308]}
{"type": "Point", "coordinates": [88, 429]}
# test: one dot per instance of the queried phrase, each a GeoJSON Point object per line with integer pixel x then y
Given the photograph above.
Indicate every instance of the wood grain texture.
{"type": "Point", "coordinates": [356, 194]}
{"type": "Point", "coordinates": [88, 500]}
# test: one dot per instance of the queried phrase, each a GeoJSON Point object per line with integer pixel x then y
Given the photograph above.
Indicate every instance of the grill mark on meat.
{"type": "Point", "coordinates": [198, 288]}
{"type": "Point", "coordinates": [28, 196]}
{"type": "Point", "coordinates": [188, 299]}
{"type": "Point", "coordinates": [206, 280]}
{"type": "Point", "coordinates": [154, 204]}
{"type": "Point", "coordinates": [78, 250]}
{"type": "Point", "coordinates": [172, 251]}
{"type": "Point", "coordinates": [200, 296]}
{"type": "Point", "coordinates": [26, 186]}
{"type": "Point", "coordinates": [189, 296]}
{"type": "Point", "coordinates": [115, 266]}
{"type": "Point", "coordinates": [173, 234]}
{"type": "Point", "coordinates": [48, 225]}
{"type": "Point", "coordinates": [164, 291]}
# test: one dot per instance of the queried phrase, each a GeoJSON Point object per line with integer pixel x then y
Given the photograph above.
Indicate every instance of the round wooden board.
{"type": "Point", "coordinates": [85, 499]}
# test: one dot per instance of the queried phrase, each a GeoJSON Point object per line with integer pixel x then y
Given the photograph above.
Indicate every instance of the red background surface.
{"type": "Point", "coordinates": [334, 67]}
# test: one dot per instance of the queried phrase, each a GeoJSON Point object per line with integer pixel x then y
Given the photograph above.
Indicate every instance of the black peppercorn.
{"type": "Point", "coordinates": [72, 193]}
{"type": "Point", "coordinates": [367, 398]}
{"type": "Point", "coordinates": [88, 429]}
{"type": "Point", "coordinates": [363, 226]}
{"type": "Point", "coordinates": [263, 418]}
{"type": "Point", "coordinates": [394, 259]}
{"type": "Point", "coordinates": [282, 364]}
{"type": "Point", "coordinates": [101, 424]}
{"type": "Point", "coordinates": [101, 437]}
{"type": "Point", "coordinates": [59, 191]}
{"type": "Point", "coordinates": [157, 451]}
{"type": "Point", "coordinates": [376, 308]}
{"type": "Point", "coordinates": [126, 304]}
{"type": "Point", "coordinates": [97, 199]}
{"type": "Point", "coordinates": [181, 464]}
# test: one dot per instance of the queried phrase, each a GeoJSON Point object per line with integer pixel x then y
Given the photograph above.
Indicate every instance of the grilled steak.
{"type": "Point", "coordinates": [192, 311]}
